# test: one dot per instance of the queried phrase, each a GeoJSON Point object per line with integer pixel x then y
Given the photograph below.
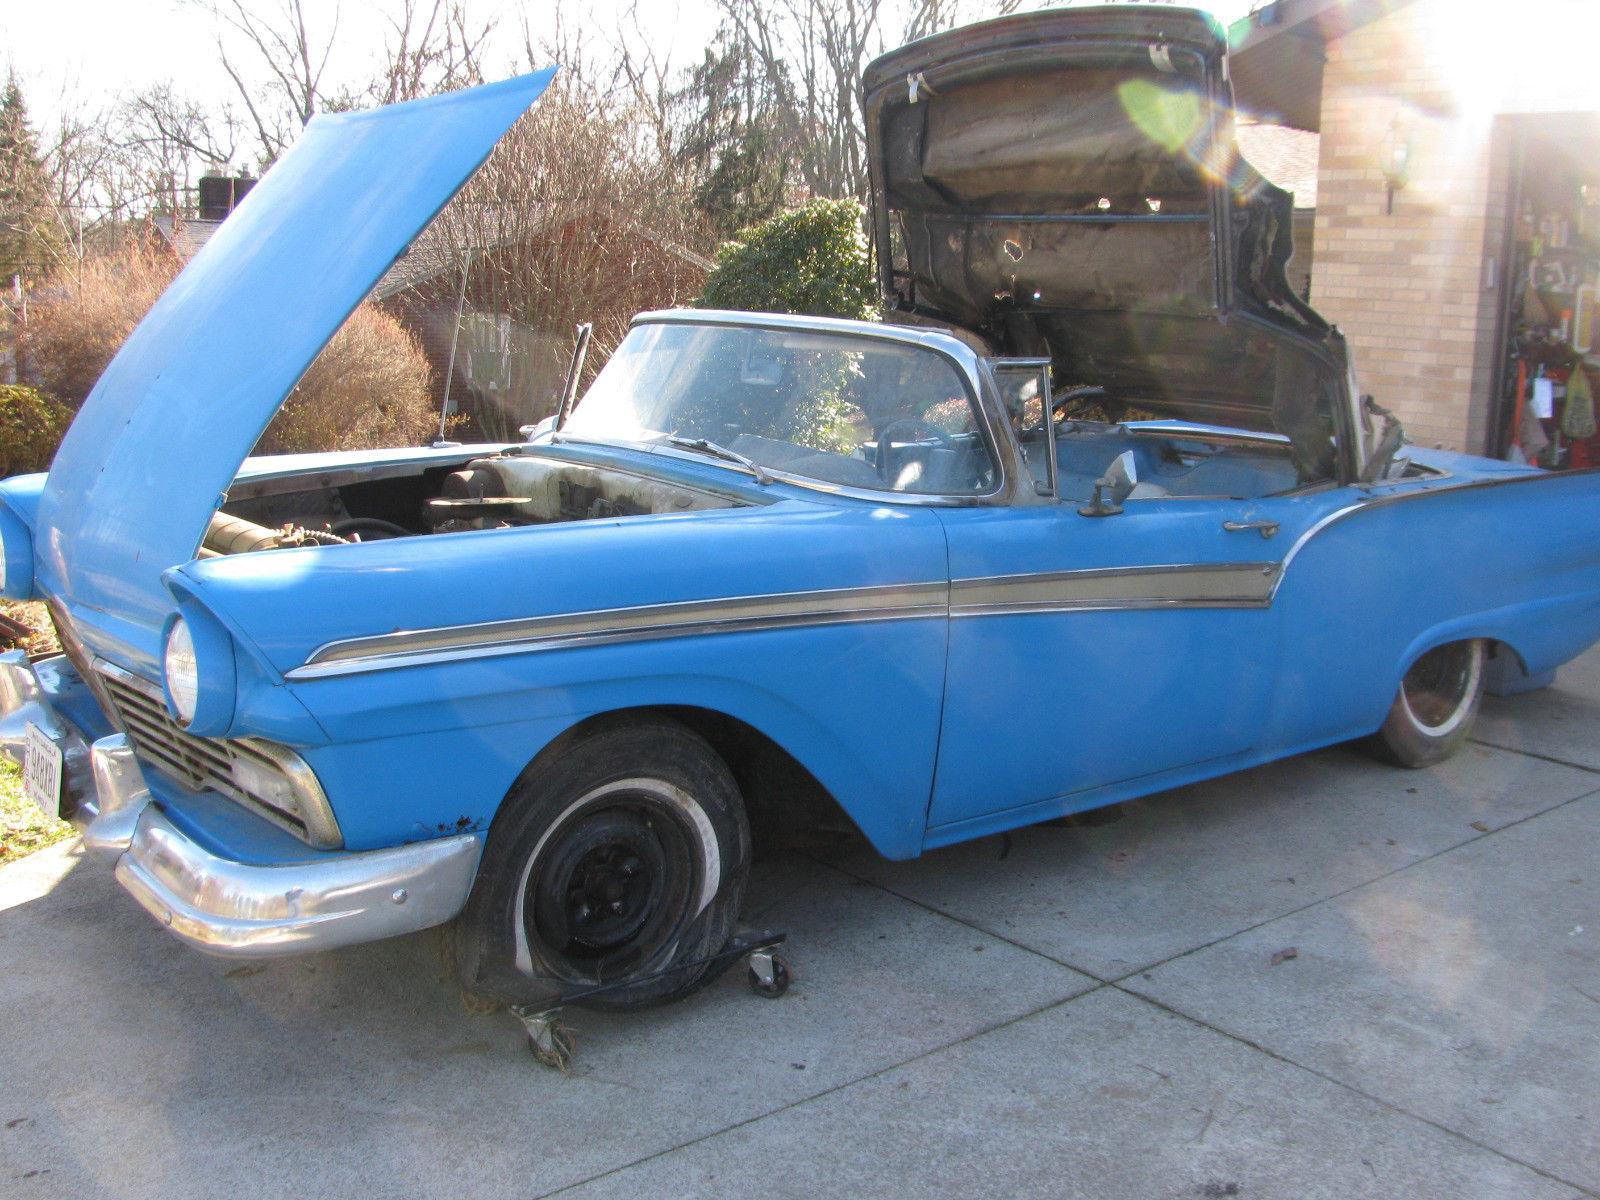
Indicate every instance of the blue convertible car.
{"type": "Point", "coordinates": [1095, 510]}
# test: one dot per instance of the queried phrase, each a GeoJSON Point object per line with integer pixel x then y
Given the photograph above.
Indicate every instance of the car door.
{"type": "Point", "coordinates": [1089, 652]}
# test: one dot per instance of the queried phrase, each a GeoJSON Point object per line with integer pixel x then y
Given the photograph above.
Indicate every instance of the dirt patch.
{"type": "Point", "coordinates": [25, 625]}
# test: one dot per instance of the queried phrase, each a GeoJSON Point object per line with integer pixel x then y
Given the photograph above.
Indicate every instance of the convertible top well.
{"type": "Point", "coordinates": [1066, 183]}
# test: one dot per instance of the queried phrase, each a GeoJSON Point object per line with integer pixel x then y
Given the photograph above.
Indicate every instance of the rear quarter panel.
{"type": "Point", "coordinates": [1513, 557]}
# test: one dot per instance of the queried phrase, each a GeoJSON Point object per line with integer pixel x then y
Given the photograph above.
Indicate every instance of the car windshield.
{"type": "Point", "coordinates": [832, 407]}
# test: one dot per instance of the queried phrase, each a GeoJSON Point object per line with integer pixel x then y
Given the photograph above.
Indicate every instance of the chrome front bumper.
{"type": "Point", "coordinates": [217, 904]}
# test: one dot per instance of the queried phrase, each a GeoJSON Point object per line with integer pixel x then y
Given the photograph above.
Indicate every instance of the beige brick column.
{"type": "Point", "coordinates": [1411, 288]}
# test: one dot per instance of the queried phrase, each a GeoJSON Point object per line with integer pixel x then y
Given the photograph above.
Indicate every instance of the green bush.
{"type": "Point", "coordinates": [31, 425]}
{"type": "Point", "coordinates": [812, 260]}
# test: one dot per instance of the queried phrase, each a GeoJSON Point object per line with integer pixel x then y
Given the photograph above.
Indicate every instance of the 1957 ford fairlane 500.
{"type": "Point", "coordinates": [541, 691]}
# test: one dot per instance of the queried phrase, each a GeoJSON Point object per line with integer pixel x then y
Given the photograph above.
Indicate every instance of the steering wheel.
{"type": "Point", "coordinates": [1078, 397]}
{"type": "Point", "coordinates": [914, 425]}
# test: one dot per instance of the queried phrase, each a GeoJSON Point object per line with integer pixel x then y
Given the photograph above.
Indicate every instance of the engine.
{"type": "Point", "coordinates": [497, 492]}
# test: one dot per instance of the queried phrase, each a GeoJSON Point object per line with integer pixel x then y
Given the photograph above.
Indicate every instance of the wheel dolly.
{"type": "Point", "coordinates": [552, 1042]}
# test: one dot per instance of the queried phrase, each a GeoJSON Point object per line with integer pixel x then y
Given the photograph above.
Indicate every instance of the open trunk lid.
{"type": "Point", "coordinates": [1066, 183]}
{"type": "Point", "coordinates": [161, 436]}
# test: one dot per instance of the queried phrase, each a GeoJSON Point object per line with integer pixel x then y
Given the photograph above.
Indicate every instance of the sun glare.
{"type": "Point", "coordinates": [1496, 57]}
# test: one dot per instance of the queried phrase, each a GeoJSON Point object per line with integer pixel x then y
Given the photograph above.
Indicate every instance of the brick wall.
{"type": "Point", "coordinates": [1408, 288]}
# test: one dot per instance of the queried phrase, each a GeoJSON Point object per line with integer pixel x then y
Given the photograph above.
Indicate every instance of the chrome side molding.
{"type": "Point", "coordinates": [1202, 585]}
{"type": "Point", "coordinates": [1179, 585]}
{"type": "Point", "coordinates": [784, 610]}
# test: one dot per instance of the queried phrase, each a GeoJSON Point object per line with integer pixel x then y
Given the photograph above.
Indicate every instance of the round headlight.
{"type": "Point", "coordinates": [182, 671]}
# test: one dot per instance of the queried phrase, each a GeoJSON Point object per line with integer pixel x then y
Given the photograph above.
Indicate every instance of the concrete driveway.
{"type": "Point", "coordinates": [1106, 1011]}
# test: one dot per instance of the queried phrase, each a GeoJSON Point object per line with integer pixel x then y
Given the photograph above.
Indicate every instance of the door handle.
{"type": "Point", "coordinates": [1264, 527]}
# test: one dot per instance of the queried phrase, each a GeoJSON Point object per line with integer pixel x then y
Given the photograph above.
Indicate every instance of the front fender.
{"type": "Point", "coordinates": [19, 508]}
{"type": "Point", "coordinates": [419, 745]}
{"type": "Point", "coordinates": [857, 706]}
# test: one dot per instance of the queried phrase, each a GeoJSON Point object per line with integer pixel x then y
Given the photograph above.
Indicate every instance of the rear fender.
{"type": "Point", "coordinates": [1513, 557]}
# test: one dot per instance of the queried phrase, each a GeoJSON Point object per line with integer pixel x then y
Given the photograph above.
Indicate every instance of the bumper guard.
{"type": "Point", "coordinates": [217, 904]}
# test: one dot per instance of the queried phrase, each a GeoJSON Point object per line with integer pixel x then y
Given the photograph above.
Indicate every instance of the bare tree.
{"type": "Point", "coordinates": [292, 57]}
{"type": "Point", "coordinates": [433, 46]}
{"type": "Point", "coordinates": [83, 165]}
{"type": "Point", "coordinates": [166, 139]}
{"type": "Point", "coordinates": [573, 218]}
{"type": "Point", "coordinates": [173, 126]}
{"type": "Point", "coordinates": [813, 53]}
{"type": "Point", "coordinates": [136, 157]}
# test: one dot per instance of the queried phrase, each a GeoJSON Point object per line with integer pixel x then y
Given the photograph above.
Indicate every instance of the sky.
{"type": "Point", "coordinates": [78, 53]}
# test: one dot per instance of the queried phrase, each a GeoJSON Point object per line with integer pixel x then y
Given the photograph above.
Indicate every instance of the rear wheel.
{"type": "Point", "coordinates": [1434, 709]}
{"type": "Point", "coordinates": [620, 864]}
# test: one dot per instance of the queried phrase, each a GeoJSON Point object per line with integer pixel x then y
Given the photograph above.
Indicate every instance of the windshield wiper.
{"type": "Point", "coordinates": [722, 452]}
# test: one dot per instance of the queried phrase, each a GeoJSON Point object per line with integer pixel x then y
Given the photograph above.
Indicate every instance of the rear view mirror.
{"type": "Point", "coordinates": [1112, 488]}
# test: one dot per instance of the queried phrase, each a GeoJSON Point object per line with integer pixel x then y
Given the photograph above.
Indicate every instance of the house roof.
{"type": "Point", "coordinates": [1285, 155]}
{"type": "Point", "coordinates": [434, 252]}
{"type": "Point", "coordinates": [1278, 51]}
{"type": "Point", "coordinates": [184, 235]}
{"type": "Point", "coordinates": [443, 245]}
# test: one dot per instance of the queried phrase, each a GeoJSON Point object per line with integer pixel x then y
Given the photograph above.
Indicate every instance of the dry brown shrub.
{"type": "Point", "coordinates": [81, 319]}
{"type": "Point", "coordinates": [573, 218]}
{"type": "Point", "coordinates": [370, 386]}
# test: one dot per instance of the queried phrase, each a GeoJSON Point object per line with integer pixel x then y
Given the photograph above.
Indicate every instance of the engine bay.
{"type": "Point", "coordinates": [499, 491]}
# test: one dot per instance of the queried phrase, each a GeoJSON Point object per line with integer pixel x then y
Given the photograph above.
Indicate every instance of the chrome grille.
{"type": "Point", "coordinates": [263, 777]}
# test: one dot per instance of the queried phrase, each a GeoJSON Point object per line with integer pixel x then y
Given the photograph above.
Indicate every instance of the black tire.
{"type": "Point", "coordinates": [1434, 709]}
{"type": "Point", "coordinates": [623, 855]}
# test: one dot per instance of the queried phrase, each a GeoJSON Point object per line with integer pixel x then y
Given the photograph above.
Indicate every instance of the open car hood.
{"type": "Point", "coordinates": [1066, 183]}
{"type": "Point", "coordinates": [160, 437]}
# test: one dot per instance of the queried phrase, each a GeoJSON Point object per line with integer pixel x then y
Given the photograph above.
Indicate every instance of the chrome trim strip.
{"type": "Point", "coordinates": [1200, 432]}
{"type": "Point", "coordinates": [603, 627]}
{"type": "Point", "coordinates": [1207, 585]}
{"type": "Point", "coordinates": [1391, 494]}
{"type": "Point", "coordinates": [1337, 514]}
{"type": "Point", "coordinates": [1169, 585]}
{"type": "Point", "coordinates": [1177, 585]}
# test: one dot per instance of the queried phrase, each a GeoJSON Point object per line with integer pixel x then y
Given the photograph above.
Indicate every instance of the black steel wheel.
{"type": "Point", "coordinates": [780, 980]}
{"type": "Point", "coordinates": [1435, 706]}
{"type": "Point", "coordinates": [613, 870]}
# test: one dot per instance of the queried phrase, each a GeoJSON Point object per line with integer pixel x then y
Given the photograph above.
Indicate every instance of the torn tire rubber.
{"type": "Point", "coordinates": [610, 866]}
{"type": "Point", "coordinates": [1434, 709]}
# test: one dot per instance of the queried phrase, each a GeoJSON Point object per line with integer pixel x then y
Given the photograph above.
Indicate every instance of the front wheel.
{"type": "Point", "coordinates": [1433, 711]}
{"type": "Point", "coordinates": [619, 865]}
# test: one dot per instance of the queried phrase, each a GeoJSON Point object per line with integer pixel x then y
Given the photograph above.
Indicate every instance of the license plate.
{"type": "Point", "coordinates": [41, 771]}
